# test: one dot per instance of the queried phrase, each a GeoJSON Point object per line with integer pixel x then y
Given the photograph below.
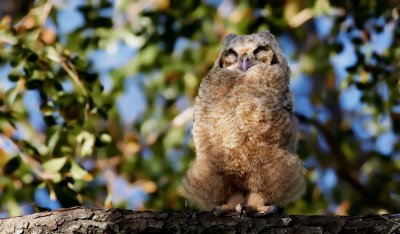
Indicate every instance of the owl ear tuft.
{"type": "Point", "coordinates": [229, 37]}
{"type": "Point", "coordinates": [266, 34]}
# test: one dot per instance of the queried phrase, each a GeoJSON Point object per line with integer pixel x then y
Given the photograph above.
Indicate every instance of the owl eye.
{"type": "Point", "coordinates": [228, 57]}
{"type": "Point", "coordinates": [265, 54]}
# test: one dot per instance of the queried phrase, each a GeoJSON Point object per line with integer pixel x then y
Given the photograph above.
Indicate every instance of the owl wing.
{"type": "Point", "coordinates": [287, 101]}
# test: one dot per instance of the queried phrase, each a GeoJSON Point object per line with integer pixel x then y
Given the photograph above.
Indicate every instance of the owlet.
{"type": "Point", "coordinates": [244, 131]}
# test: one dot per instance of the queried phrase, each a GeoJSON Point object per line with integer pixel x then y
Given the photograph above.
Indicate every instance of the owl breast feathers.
{"type": "Point", "coordinates": [244, 131]}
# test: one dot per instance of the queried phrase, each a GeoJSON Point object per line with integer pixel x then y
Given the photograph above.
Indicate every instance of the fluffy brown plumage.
{"type": "Point", "coordinates": [244, 131]}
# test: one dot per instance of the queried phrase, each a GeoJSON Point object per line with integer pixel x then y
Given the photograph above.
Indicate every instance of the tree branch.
{"type": "Point", "coordinates": [93, 220]}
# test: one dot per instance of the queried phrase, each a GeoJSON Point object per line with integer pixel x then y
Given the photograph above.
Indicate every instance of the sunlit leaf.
{"type": "Point", "coordinates": [86, 141]}
{"type": "Point", "coordinates": [78, 173]}
{"type": "Point", "coordinates": [47, 109]}
{"type": "Point", "coordinates": [105, 138]}
{"type": "Point", "coordinates": [14, 77]}
{"type": "Point", "coordinates": [12, 95]}
{"type": "Point", "coordinates": [53, 54]}
{"type": "Point", "coordinates": [54, 165]}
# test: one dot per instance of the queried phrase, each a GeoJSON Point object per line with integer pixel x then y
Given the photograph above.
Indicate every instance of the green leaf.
{"type": "Point", "coordinates": [148, 55]}
{"type": "Point", "coordinates": [53, 54]}
{"type": "Point", "coordinates": [47, 109]}
{"type": "Point", "coordinates": [12, 165]}
{"type": "Point", "coordinates": [9, 117]}
{"type": "Point", "coordinates": [86, 141]}
{"type": "Point", "coordinates": [14, 77]}
{"type": "Point", "coordinates": [54, 165]}
{"type": "Point", "coordinates": [56, 178]}
{"type": "Point", "coordinates": [52, 137]}
{"type": "Point", "coordinates": [39, 75]}
{"type": "Point", "coordinates": [34, 84]}
{"type": "Point", "coordinates": [78, 173]}
{"type": "Point", "coordinates": [105, 138]}
{"type": "Point", "coordinates": [11, 95]}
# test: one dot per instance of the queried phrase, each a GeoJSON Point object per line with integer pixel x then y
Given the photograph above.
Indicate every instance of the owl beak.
{"type": "Point", "coordinates": [245, 63]}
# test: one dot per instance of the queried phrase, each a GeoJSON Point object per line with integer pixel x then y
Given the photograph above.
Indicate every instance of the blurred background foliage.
{"type": "Point", "coordinates": [96, 96]}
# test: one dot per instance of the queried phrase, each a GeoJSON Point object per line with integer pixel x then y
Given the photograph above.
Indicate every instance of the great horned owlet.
{"type": "Point", "coordinates": [244, 131]}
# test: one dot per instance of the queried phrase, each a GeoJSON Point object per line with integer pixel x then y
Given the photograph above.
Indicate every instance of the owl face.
{"type": "Point", "coordinates": [244, 52]}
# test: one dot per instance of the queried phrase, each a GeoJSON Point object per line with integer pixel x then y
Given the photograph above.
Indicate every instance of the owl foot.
{"type": "Point", "coordinates": [230, 206]}
{"type": "Point", "coordinates": [241, 209]}
{"type": "Point", "coordinates": [224, 209]}
{"type": "Point", "coordinates": [258, 211]}
{"type": "Point", "coordinates": [266, 210]}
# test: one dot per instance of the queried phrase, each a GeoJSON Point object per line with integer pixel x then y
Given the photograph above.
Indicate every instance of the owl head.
{"type": "Point", "coordinates": [242, 52]}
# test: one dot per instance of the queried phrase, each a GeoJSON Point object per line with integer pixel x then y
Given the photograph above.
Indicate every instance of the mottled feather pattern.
{"type": "Point", "coordinates": [244, 130]}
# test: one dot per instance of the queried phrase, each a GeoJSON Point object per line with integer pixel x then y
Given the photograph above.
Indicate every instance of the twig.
{"type": "Point", "coordinates": [45, 13]}
{"type": "Point", "coordinates": [74, 76]}
{"type": "Point", "coordinates": [394, 228]}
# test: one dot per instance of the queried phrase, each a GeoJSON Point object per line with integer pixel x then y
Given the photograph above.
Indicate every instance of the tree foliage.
{"type": "Point", "coordinates": [98, 113]}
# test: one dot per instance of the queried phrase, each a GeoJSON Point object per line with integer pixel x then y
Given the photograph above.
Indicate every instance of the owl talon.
{"type": "Point", "coordinates": [248, 210]}
{"type": "Point", "coordinates": [267, 210]}
{"type": "Point", "coordinates": [241, 209]}
{"type": "Point", "coordinates": [224, 209]}
{"type": "Point", "coordinates": [217, 211]}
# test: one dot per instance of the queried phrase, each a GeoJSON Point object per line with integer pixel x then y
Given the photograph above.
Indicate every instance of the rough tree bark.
{"type": "Point", "coordinates": [89, 220]}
